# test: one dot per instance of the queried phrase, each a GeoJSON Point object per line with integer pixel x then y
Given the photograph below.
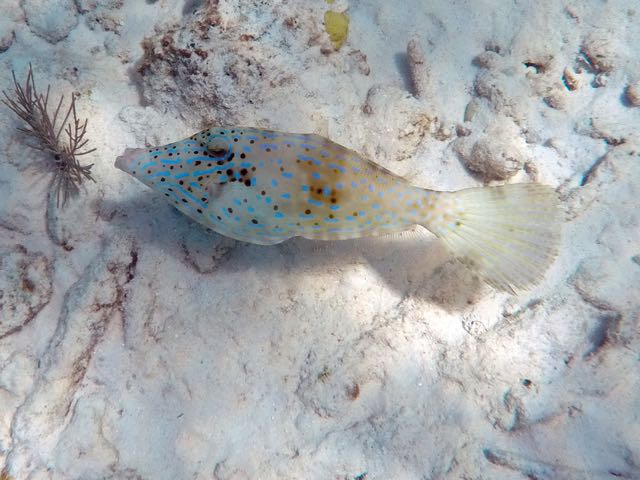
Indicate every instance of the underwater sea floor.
{"type": "Point", "coordinates": [134, 344]}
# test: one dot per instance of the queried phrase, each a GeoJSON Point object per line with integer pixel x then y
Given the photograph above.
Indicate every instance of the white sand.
{"type": "Point", "coordinates": [135, 345]}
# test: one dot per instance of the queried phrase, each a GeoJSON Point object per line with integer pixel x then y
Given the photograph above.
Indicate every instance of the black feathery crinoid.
{"type": "Point", "coordinates": [46, 130]}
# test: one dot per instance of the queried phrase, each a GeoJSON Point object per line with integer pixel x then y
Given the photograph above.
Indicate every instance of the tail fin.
{"type": "Point", "coordinates": [509, 235]}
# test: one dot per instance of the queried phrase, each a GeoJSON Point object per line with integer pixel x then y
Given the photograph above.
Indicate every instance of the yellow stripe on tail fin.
{"type": "Point", "coordinates": [509, 234]}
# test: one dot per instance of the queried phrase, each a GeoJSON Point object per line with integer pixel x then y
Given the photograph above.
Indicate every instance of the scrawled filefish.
{"type": "Point", "coordinates": [263, 187]}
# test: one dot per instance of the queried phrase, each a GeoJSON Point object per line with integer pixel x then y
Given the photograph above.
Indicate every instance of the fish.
{"type": "Point", "coordinates": [265, 187]}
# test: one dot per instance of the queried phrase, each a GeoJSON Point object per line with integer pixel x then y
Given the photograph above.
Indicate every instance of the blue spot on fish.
{"type": "Point", "coordinates": [337, 167]}
{"type": "Point", "coordinates": [197, 173]}
{"type": "Point", "coordinates": [200, 158]}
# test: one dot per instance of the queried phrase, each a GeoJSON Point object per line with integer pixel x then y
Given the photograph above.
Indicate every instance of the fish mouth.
{"type": "Point", "coordinates": [125, 161]}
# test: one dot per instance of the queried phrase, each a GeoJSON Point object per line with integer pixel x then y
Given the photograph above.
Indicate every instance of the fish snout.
{"type": "Point", "coordinates": [125, 162]}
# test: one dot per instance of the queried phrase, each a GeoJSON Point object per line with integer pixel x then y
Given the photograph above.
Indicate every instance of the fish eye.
{"type": "Point", "coordinates": [217, 149]}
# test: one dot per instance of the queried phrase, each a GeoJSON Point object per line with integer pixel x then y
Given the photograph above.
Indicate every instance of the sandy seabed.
{"type": "Point", "coordinates": [134, 344]}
